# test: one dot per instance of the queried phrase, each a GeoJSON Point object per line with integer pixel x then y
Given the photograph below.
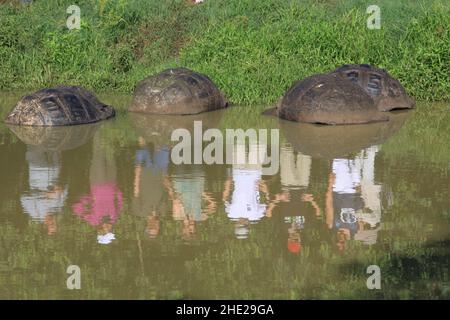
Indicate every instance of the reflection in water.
{"type": "Point", "coordinates": [353, 200]}
{"type": "Point", "coordinates": [352, 206]}
{"type": "Point", "coordinates": [296, 224]}
{"type": "Point", "coordinates": [55, 138]}
{"type": "Point", "coordinates": [246, 206]}
{"type": "Point", "coordinates": [150, 172]}
{"type": "Point", "coordinates": [190, 202]}
{"type": "Point", "coordinates": [330, 142]}
{"type": "Point", "coordinates": [295, 168]}
{"type": "Point", "coordinates": [369, 220]}
{"type": "Point", "coordinates": [309, 229]}
{"type": "Point", "coordinates": [102, 206]}
{"type": "Point", "coordinates": [295, 172]}
{"type": "Point", "coordinates": [46, 195]}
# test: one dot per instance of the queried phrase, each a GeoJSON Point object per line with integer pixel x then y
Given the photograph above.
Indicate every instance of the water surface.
{"type": "Point", "coordinates": [107, 198]}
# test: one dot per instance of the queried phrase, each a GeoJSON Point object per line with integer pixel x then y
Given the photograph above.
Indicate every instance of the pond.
{"type": "Point", "coordinates": [109, 199]}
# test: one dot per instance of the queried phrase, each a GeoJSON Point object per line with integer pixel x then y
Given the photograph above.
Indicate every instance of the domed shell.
{"type": "Point", "coordinates": [59, 106]}
{"type": "Point", "coordinates": [387, 92]}
{"type": "Point", "coordinates": [328, 99]}
{"type": "Point", "coordinates": [177, 91]}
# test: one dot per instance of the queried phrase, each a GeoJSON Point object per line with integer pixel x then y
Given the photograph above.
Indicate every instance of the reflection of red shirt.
{"type": "Point", "coordinates": [105, 200]}
{"type": "Point", "coordinates": [293, 246]}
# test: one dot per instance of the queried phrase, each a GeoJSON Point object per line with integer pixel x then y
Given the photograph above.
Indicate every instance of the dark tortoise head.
{"type": "Point", "coordinates": [177, 91]}
{"type": "Point", "coordinates": [59, 106]}
{"type": "Point", "coordinates": [387, 92]}
{"type": "Point", "coordinates": [328, 99]}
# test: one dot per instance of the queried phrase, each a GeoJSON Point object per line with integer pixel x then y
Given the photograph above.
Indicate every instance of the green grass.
{"type": "Point", "coordinates": [253, 49]}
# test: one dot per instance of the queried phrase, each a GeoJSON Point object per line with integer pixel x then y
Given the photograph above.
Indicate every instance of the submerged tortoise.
{"type": "Point", "coordinates": [59, 106]}
{"type": "Point", "coordinates": [387, 92]}
{"type": "Point", "coordinates": [327, 99]}
{"type": "Point", "coordinates": [177, 91]}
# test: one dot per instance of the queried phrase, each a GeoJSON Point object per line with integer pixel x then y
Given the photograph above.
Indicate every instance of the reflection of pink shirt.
{"type": "Point", "coordinates": [104, 201]}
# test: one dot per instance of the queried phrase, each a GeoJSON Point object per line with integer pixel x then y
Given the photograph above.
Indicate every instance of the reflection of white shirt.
{"type": "Point", "coordinates": [245, 201]}
{"type": "Point", "coordinates": [37, 203]}
{"type": "Point", "coordinates": [361, 171]}
{"type": "Point", "coordinates": [42, 178]}
{"type": "Point", "coordinates": [348, 177]}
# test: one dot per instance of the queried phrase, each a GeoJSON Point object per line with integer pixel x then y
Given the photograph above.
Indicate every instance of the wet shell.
{"type": "Point", "coordinates": [177, 91]}
{"type": "Point", "coordinates": [328, 99]}
{"type": "Point", "coordinates": [387, 92]}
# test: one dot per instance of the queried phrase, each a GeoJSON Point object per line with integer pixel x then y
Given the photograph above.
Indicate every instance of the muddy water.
{"type": "Point", "coordinates": [109, 199]}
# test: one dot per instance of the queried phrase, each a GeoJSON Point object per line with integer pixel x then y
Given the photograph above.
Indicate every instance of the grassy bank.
{"type": "Point", "coordinates": [253, 49]}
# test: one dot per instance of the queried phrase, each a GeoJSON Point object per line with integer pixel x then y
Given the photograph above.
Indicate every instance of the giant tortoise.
{"type": "Point", "coordinates": [327, 99]}
{"type": "Point", "coordinates": [177, 91]}
{"type": "Point", "coordinates": [59, 106]}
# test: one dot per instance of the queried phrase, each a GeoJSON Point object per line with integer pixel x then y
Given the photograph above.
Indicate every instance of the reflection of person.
{"type": "Point", "coordinates": [295, 171]}
{"type": "Point", "coordinates": [46, 196]}
{"type": "Point", "coordinates": [344, 200]}
{"type": "Point", "coordinates": [245, 200]}
{"type": "Point", "coordinates": [352, 201]}
{"type": "Point", "coordinates": [190, 202]}
{"type": "Point", "coordinates": [246, 206]}
{"type": "Point", "coordinates": [101, 209]}
{"type": "Point", "coordinates": [149, 173]}
{"type": "Point", "coordinates": [102, 206]}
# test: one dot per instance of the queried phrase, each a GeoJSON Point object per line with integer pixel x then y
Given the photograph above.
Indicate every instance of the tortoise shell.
{"type": "Point", "coordinates": [328, 99]}
{"type": "Point", "coordinates": [177, 91]}
{"type": "Point", "coordinates": [59, 106]}
{"type": "Point", "coordinates": [387, 92]}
